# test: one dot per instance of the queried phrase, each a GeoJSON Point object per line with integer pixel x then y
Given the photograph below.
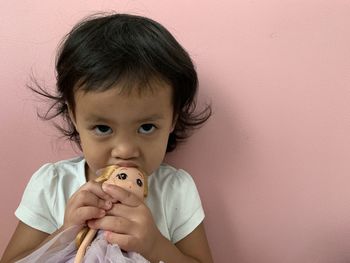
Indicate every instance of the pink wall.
{"type": "Point", "coordinates": [272, 165]}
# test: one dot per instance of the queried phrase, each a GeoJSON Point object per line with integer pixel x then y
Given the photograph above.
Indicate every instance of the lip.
{"type": "Point", "coordinates": [127, 164]}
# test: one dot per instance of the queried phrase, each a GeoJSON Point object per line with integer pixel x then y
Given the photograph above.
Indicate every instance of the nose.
{"type": "Point", "coordinates": [125, 147]}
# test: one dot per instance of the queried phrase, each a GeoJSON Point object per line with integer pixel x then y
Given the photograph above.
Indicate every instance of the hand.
{"type": "Point", "coordinates": [89, 202]}
{"type": "Point", "coordinates": [129, 223]}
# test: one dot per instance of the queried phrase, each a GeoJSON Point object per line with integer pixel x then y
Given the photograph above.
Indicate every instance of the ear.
{"type": "Point", "coordinates": [72, 116]}
{"type": "Point", "coordinates": [174, 123]}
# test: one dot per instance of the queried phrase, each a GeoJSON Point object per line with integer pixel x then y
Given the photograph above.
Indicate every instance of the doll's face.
{"type": "Point", "coordinates": [129, 178]}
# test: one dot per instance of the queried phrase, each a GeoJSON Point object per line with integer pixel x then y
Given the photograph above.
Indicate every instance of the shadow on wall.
{"type": "Point", "coordinates": [217, 156]}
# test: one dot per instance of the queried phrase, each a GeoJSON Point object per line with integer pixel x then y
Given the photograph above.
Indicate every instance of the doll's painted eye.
{"type": "Point", "coordinates": [122, 176]}
{"type": "Point", "coordinates": [139, 182]}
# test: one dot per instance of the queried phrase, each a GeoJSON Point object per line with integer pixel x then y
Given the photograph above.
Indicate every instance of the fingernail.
{"type": "Point", "coordinates": [104, 187]}
{"type": "Point", "coordinates": [108, 204]}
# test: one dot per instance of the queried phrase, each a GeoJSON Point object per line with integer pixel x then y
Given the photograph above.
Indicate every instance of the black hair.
{"type": "Point", "coordinates": [104, 50]}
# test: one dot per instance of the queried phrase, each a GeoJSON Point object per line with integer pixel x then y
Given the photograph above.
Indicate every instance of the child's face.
{"type": "Point", "coordinates": [124, 129]}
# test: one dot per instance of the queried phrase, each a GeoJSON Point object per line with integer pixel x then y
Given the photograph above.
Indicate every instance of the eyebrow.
{"type": "Point", "coordinates": [153, 117]}
{"type": "Point", "coordinates": [94, 118]}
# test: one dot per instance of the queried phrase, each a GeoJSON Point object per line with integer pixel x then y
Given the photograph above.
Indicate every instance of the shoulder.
{"type": "Point", "coordinates": [173, 185]}
{"type": "Point", "coordinates": [60, 172]}
{"type": "Point", "coordinates": [174, 201]}
{"type": "Point", "coordinates": [170, 177]}
{"type": "Point", "coordinates": [44, 199]}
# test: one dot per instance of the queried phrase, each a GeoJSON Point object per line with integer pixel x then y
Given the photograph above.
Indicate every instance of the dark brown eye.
{"type": "Point", "coordinates": [139, 182]}
{"type": "Point", "coordinates": [122, 176]}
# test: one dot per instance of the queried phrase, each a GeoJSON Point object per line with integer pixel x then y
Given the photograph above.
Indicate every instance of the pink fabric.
{"type": "Point", "coordinates": [61, 249]}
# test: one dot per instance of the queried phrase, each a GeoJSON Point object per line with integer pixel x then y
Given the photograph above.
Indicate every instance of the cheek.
{"type": "Point", "coordinates": [94, 157]}
{"type": "Point", "coordinates": [138, 191]}
{"type": "Point", "coordinates": [172, 128]}
{"type": "Point", "coordinates": [157, 150]}
{"type": "Point", "coordinates": [132, 188]}
{"type": "Point", "coordinates": [155, 155]}
{"type": "Point", "coordinates": [93, 150]}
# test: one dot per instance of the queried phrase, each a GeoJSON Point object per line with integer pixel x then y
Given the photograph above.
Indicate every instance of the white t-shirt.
{"type": "Point", "coordinates": [172, 198]}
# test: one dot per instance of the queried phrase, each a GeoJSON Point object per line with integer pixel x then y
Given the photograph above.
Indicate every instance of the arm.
{"type": "Point", "coordinates": [19, 246]}
{"type": "Point", "coordinates": [196, 245]}
{"type": "Point", "coordinates": [193, 248]}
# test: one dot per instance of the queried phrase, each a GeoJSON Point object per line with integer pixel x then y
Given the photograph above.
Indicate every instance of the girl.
{"type": "Point", "coordinates": [126, 91]}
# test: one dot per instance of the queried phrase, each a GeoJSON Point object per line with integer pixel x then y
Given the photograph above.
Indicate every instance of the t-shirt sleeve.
{"type": "Point", "coordinates": [184, 210]}
{"type": "Point", "coordinates": [38, 200]}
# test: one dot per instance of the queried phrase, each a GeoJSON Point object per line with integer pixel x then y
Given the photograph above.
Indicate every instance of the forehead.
{"type": "Point", "coordinates": [126, 86]}
{"type": "Point", "coordinates": [134, 103]}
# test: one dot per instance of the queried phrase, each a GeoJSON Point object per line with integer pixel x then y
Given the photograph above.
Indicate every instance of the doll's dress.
{"type": "Point", "coordinates": [62, 249]}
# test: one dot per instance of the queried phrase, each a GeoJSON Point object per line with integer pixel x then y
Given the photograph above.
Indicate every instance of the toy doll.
{"type": "Point", "coordinates": [129, 178]}
{"type": "Point", "coordinates": [89, 245]}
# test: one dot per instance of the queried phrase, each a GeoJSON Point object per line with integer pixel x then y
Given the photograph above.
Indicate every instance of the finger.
{"type": "Point", "coordinates": [96, 189]}
{"type": "Point", "coordinates": [121, 195]}
{"type": "Point", "coordinates": [85, 198]}
{"type": "Point", "coordinates": [114, 224]}
{"type": "Point", "coordinates": [122, 210]}
{"type": "Point", "coordinates": [89, 212]}
{"type": "Point", "coordinates": [124, 241]}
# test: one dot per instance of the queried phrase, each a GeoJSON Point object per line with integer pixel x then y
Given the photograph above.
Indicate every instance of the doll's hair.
{"type": "Point", "coordinates": [103, 50]}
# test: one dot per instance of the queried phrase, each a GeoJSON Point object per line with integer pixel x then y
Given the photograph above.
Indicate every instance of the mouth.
{"type": "Point", "coordinates": [126, 164]}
